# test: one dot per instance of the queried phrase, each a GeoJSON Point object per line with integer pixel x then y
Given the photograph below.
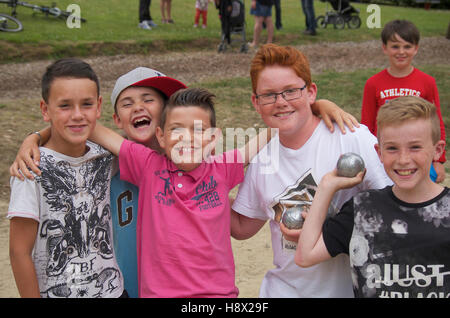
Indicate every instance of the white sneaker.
{"type": "Point", "coordinates": [195, 25]}
{"type": "Point", "coordinates": [144, 25]}
{"type": "Point", "coordinates": [151, 23]}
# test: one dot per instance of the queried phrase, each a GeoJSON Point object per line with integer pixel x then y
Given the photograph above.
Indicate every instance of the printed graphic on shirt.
{"type": "Point", "coordinates": [76, 229]}
{"type": "Point", "coordinates": [397, 92]}
{"type": "Point", "coordinates": [206, 195]}
{"type": "Point", "coordinates": [296, 196]}
{"type": "Point", "coordinates": [125, 208]}
{"type": "Point", "coordinates": [163, 196]}
{"type": "Point", "coordinates": [396, 256]}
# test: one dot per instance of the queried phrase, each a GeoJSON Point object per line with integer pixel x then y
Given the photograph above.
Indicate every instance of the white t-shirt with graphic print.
{"type": "Point", "coordinates": [73, 252]}
{"type": "Point", "coordinates": [279, 178]}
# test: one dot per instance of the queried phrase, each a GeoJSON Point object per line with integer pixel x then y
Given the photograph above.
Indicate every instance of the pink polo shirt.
{"type": "Point", "coordinates": [183, 228]}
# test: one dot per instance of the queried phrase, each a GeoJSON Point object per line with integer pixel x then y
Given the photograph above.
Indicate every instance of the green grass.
{"type": "Point", "coordinates": [112, 28]}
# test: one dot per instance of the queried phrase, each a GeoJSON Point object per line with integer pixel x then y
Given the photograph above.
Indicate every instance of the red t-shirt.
{"type": "Point", "coordinates": [383, 87]}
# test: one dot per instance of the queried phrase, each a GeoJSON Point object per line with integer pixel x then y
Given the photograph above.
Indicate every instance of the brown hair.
{"type": "Point", "coordinates": [406, 108]}
{"type": "Point", "coordinates": [198, 97]}
{"type": "Point", "coordinates": [272, 54]}
{"type": "Point", "coordinates": [403, 28]}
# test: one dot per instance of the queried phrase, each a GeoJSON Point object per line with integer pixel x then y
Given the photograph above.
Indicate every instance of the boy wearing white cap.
{"type": "Point", "coordinates": [138, 98]}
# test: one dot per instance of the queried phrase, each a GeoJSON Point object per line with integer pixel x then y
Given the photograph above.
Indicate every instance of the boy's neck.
{"type": "Point", "coordinates": [418, 194]}
{"type": "Point", "coordinates": [400, 72]}
{"type": "Point", "coordinates": [66, 149]}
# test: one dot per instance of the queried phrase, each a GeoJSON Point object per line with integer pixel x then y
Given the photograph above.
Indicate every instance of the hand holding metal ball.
{"type": "Point", "coordinates": [349, 165]}
{"type": "Point", "coordinates": [292, 218]}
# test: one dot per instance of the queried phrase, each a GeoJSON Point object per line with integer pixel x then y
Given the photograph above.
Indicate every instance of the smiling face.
{"type": "Point", "coordinates": [400, 53]}
{"type": "Point", "coordinates": [293, 118]}
{"type": "Point", "coordinates": [406, 150]}
{"type": "Point", "coordinates": [72, 109]}
{"type": "Point", "coordinates": [186, 135]}
{"type": "Point", "coordinates": [138, 113]}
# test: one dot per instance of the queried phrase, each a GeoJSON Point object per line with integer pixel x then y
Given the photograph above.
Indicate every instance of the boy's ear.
{"type": "Point", "coordinates": [117, 121]}
{"type": "Point", "coordinates": [378, 150]}
{"type": "Point", "coordinates": [255, 104]}
{"type": "Point", "coordinates": [159, 136]}
{"type": "Point", "coordinates": [312, 93]}
{"type": "Point", "coordinates": [44, 110]}
{"type": "Point", "coordinates": [99, 106]}
{"type": "Point", "coordinates": [439, 148]}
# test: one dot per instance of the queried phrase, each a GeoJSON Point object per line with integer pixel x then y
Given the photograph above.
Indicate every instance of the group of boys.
{"type": "Point", "coordinates": [66, 236]}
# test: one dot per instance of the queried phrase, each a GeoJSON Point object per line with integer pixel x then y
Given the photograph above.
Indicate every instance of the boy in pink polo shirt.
{"type": "Point", "coordinates": [184, 248]}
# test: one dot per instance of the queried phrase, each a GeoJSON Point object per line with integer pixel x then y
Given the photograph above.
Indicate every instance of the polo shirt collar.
{"type": "Point", "coordinates": [196, 174]}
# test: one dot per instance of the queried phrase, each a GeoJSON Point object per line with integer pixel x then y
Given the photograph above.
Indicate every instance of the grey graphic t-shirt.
{"type": "Point", "coordinates": [73, 252]}
{"type": "Point", "coordinates": [396, 249]}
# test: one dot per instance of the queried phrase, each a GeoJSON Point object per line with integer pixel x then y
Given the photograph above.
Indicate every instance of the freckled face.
{"type": "Point", "coordinates": [407, 151]}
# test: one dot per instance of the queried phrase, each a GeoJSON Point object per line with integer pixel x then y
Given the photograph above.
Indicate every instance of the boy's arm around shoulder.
{"type": "Point", "coordinates": [311, 248]}
{"type": "Point", "coordinates": [28, 155]}
{"type": "Point", "coordinates": [107, 138]}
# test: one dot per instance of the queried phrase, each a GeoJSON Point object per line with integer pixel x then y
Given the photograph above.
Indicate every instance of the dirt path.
{"type": "Point", "coordinates": [199, 66]}
{"type": "Point", "coordinates": [253, 257]}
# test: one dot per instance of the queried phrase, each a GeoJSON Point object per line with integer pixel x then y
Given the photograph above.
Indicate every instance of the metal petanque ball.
{"type": "Point", "coordinates": [292, 218]}
{"type": "Point", "coordinates": [349, 164]}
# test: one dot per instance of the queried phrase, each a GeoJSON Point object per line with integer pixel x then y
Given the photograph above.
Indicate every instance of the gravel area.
{"type": "Point", "coordinates": [195, 67]}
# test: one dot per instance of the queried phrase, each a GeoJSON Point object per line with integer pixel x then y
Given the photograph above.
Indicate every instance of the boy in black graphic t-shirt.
{"type": "Point", "coordinates": [398, 238]}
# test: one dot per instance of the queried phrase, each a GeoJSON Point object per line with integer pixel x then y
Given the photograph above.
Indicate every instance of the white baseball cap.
{"type": "Point", "coordinates": [144, 76]}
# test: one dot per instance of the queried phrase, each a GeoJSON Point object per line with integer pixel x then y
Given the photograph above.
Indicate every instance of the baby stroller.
{"type": "Point", "coordinates": [343, 14]}
{"type": "Point", "coordinates": [232, 19]}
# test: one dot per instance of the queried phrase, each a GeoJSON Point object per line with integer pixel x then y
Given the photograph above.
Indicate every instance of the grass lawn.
{"type": "Point", "coordinates": [112, 28]}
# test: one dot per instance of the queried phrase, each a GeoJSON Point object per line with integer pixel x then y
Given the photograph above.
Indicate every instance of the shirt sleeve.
{"type": "Point", "coordinates": [248, 201]}
{"type": "Point", "coordinates": [369, 107]}
{"type": "Point", "coordinates": [337, 230]}
{"type": "Point", "coordinates": [438, 111]}
{"type": "Point", "coordinates": [133, 158]}
{"type": "Point", "coordinates": [235, 167]}
{"type": "Point", "coordinates": [24, 200]}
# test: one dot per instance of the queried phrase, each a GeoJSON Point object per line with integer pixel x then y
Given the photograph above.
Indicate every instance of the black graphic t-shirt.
{"type": "Point", "coordinates": [396, 249]}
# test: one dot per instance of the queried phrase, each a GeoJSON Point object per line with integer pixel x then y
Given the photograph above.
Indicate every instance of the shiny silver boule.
{"type": "Point", "coordinates": [349, 165]}
{"type": "Point", "coordinates": [292, 218]}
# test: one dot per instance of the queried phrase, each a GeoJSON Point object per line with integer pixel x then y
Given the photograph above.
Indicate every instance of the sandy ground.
{"type": "Point", "coordinates": [253, 257]}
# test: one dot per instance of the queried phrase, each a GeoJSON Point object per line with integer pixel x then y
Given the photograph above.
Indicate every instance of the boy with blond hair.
{"type": "Point", "coordinates": [397, 237]}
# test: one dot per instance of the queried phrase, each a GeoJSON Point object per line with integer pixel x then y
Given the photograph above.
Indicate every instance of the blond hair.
{"type": "Point", "coordinates": [405, 108]}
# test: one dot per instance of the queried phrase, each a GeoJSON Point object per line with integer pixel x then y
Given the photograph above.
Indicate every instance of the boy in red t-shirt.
{"type": "Point", "coordinates": [400, 44]}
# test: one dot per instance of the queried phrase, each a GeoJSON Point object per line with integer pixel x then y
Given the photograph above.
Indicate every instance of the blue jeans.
{"type": "Point", "coordinates": [308, 10]}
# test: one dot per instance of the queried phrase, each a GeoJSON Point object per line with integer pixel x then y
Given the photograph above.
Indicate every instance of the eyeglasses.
{"type": "Point", "coordinates": [289, 94]}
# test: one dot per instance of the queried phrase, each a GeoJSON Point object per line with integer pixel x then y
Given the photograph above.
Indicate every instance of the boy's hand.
{"type": "Point", "coordinates": [330, 112]}
{"type": "Point", "coordinates": [27, 157]}
{"type": "Point", "coordinates": [290, 235]}
{"type": "Point", "coordinates": [332, 181]}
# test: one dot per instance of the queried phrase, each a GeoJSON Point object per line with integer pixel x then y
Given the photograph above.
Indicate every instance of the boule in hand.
{"type": "Point", "coordinates": [349, 165]}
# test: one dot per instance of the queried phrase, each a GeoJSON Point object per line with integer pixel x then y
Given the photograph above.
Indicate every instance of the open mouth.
{"type": "Point", "coordinates": [142, 121]}
{"type": "Point", "coordinates": [405, 172]}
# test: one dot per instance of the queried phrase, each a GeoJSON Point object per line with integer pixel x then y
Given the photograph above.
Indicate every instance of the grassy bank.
{"type": "Point", "coordinates": [111, 28]}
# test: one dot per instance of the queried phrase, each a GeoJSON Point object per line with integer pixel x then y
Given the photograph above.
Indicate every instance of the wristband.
{"type": "Point", "coordinates": [39, 135]}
